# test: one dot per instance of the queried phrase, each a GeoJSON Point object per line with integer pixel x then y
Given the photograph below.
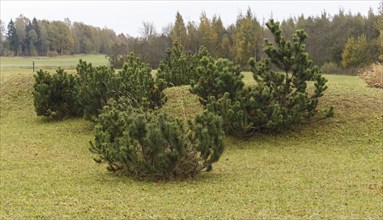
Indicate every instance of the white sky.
{"type": "Point", "coordinates": [127, 16]}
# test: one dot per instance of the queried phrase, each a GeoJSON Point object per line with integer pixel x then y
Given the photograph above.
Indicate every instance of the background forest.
{"type": "Point", "coordinates": [336, 43]}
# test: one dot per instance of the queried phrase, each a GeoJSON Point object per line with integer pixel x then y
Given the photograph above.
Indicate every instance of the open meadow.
{"type": "Point", "coordinates": [330, 169]}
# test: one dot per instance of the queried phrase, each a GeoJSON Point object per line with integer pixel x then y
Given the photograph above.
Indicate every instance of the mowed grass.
{"type": "Point", "coordinates": [329, 169]}
{"type": "Point", "coordinates": [17, 66]}
{"type": "Point", "coordinates": [53, 62]}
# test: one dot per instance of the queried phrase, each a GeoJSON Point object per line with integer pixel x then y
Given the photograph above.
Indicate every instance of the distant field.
{"type": "Point", "coordinates": [17, 66]}
{"type": "Point", "coordinates": [331, 169]}
{"type": "Point", "coordinates": [51, 62]}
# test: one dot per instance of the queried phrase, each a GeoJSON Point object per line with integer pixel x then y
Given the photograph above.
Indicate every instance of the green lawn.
{"type": "Point", "coordinates": [17, 66]}
{"type": "Point", "coordinates": [51, 62]}
{"type": "Point", "coordinates": [331, 169]}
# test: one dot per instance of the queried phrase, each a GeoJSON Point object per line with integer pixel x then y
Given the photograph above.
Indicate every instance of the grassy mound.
{"type": "Point", "coordinates": [328, 170]}
{"type": "Point", "coordinates": [15, 92]}
{"type": "Point", "coordinates": [181, 103]}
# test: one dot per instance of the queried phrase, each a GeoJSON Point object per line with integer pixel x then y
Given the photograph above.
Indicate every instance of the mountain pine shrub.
{"type": "Point", "coordinates": [217, 77]}
{"type": "Point", "coordinates": [175, 69]}
{"type": "Point", "coordinates": [154, 146]}
{"type": "Point", "coordinates": [280, 98]}
{"type": "Point", "coordinates": [99, 84]}
{"type": "Point", "coordinates": [55, 95]}
{"type": "Point", "coordinates": [95, 86]}
{"type": "Point", "coordinates": [179, 68]}
{"type": "Point", "coordinates": [137, 82]}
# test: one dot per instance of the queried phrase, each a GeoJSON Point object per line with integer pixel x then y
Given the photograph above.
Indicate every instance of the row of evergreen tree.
{"type": "Point", "coordinates": [25, 37]}
{"type": "Point", "coordinates": [344, 39]}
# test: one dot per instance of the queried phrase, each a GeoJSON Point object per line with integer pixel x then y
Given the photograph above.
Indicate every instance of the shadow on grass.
{"type": "Point", "coordinates": [110, 178]}
{"type": "Point", "coordinates": [74, 124]}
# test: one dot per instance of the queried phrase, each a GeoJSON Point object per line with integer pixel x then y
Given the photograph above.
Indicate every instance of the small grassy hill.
{"type": "Point", "coordinates": [329, 169]}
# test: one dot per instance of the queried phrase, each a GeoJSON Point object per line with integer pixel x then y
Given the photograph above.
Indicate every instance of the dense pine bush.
{"type": "Point", "coordinates": [61, 94]}
{"type": "Point", "coordinates": [137, 82]}
{"type": "Point", "coordinates": [217, 77]}
{"type": "Point", "coordinates": [95, 86]}
{"type": "Point", "coordinates": [99, 84]}
{"type": "Point", "coordinates": [175, 69]}
{"type": "Point", "coordinates": [155, 146]}
{"type": "Point", "coordinates": [280, 98]}
{"type": "Point", "coordinates": [55, 95]}
{"type": "Point", "coordinates": [179, 68]}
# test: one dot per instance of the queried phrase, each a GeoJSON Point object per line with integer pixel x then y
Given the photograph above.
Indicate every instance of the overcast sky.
{"type": "Point", "coordinates": [127, 16]}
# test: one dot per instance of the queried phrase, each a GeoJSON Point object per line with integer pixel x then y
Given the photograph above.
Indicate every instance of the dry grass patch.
{"type": "Point", "coordinates": [373, 75]}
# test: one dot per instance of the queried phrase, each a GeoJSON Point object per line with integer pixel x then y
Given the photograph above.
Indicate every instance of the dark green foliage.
{"type": "Point", "coordinates": [288, 85]}
{"type": "Point", "coordinates": [280, 98]}
{"type": "Point", "coordinates": [55, 95]}
{"type": "Point", "coordinates": [61, 95]}
{"type": "Point", "coordinates": [97, 85]}
{"type": "Point", "coordinates": [12, 37]}
{"type": "Point", "coordinates": [155, 146]}
{"type": "Point", "coordinates": [245, 114]}
{"type": "Point", "coordinates": [38, 41]}
{"type": "Point", "coordinates": [217, 77]}
{"type": "Point", "coordinates": [138, 83]}
{"type": "Point", "coordinates": [175, 69]}
{"type": "Point", "coordinates": [179, 68]}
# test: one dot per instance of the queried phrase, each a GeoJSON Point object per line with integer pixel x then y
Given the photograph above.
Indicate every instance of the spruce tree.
{"type": "Point", "coordinates": [30, 41]}
{"type": "Point", "coordinates": [179, 33]}
{"type": "Point", "coordinates": [12, 37]}
{"type": "Point", "coordinates": [39, 40]}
